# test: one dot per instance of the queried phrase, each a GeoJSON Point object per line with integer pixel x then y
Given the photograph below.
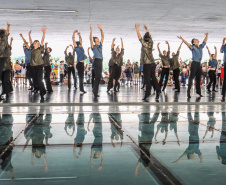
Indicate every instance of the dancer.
{"type": "Point", "coordinates": [117, 58]}
{"type": "Point", "coordinates": [212, 72]}
{"type": "Point", "coordinates": [148, 62]}
{"type": "Point", "coordinates": [47, 68]}
{"type": "Point", "coordinates": [6, 84]}
{"type": "Point", "coordinates": [4, 51]}
{"type": "Point", "coordinates": [165, 57]}
{"type": "Point", "coordinates": [27, 52]}
{"type": "Point", "coordinates": [78, 48]}
{"type": "Point", "coordinates": [174, 64]}
{"type": "Point", "coordinates": [98, 61]}
{"type": "Point", "coordinates": [223, 50]}
{"type": "Point", "coordinates": [38, 63]}
{"type": "Point", "coordinates": [70, 60]}
{"type": "Point", "coordinates": [196, 69]}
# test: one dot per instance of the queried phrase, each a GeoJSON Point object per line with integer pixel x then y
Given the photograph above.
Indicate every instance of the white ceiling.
{"type": "Point", "coordinates": [165, 18]}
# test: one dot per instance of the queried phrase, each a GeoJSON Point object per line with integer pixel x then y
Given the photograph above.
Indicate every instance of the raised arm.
{"type": "Point", "coordinates": [80, 38]}
{"type": "Point", "coordinates": [46, 45]}
{"type": "Point", "coordinates": [43, 36]}
{"type": "Point", "coordinates": [138, 32]}
{"type": "Point", "coordinates": [30, 40]}
{"type": "Point", "coordinates": [91, 36]}
{"type": "Point", "coordinates": [11, 41]}
{"type": "Point", "coordinates": [180, 47]}
{"type": "Point", "coordinates": [66, 50]}
{"type": "Point", "coordinates": [209, 52]}
{"type": "Point", "coordinates": [25, 42]}
{"type": "Point", "coordinates": [215, 51]}
{"type": "Point", "coordinates": [73, 38]}
{"type": "Point", "coordinates": [102, 33]}
{"type": "Point", "coordinates": [8, 28]}
{"type": "Point", "coordinates": [206, 38]}
{"type": "Point", "coordinates": [113, 43]}
{"type": "Point", "coordinates": [168, 45]}
{"type": "Point", "coordinates": [189, 45]}
{"type": "Point", "coordinates": [122, 44]}
{"type": "Point", "coordinates": [159, 48]}
{"type": "Point", "coordinates": [89, 54]}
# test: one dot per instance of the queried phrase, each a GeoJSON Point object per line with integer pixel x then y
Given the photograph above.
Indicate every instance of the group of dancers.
{"type": "Point", "coordinates": [37, 54]}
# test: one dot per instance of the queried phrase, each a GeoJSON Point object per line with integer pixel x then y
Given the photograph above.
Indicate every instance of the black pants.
{"type": "Point", "coordinates": [213, 79]}
{"type": "Point", "coordinates": [38, 75]}
{"type": "Point", "coordinates": [176, 73]}
{"type": "Point", "coordinates": [93, 77]}
{"type": "Point", "coordinates": [114, 75]}
{"type": "Point", "coordinates": [224, 83]}
{"type": "Point", "coordinates": [6, 84]}
{"type": "Point", "coordinates": [98, 72]}
{"type": "Point", "coordinates": [195, 73]}
{"type": "Point", "coordinates": [2, 63]}
{"type": "Point", "coordinates": [47, 78]}
{"type": "Point", "coordinates": [165, 72]}
{"type": "Point", "coordinates": [71, 70]}
{"type": "Point", "coordinates": [34, 78]}
{"type": "Point", "coordinates": [80, 68]}
{"type": "Point", "coordinates": [149, 74]}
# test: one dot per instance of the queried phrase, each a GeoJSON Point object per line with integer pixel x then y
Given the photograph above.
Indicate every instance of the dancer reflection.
{"type": "Point", "coordinates": [97, 147]}
{"type": "Point", "coordinates": [193, 127]}
{"type": "Point", "coordinates": [163, 125]}
{"type": "Point", "coordinates": [70, 124]}
{"type": "Point", "coordinates": [37, 133]}
{"type": "Point", "coordinates": [81, 132]}
{"type": "Point", "coordinates": [6, 140]}
{"type": "Point", "coordinates": [173, 118]}
{"type": "Point", "coordinates": [221, 149]}
{"type": "Point", "coordinates": [210, 124]}
{"type": "Point", "coordinates": [146, 126]}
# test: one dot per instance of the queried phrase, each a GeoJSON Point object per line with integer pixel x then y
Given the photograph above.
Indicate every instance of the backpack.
{"type": "Point", "coordinates": [3, 42]}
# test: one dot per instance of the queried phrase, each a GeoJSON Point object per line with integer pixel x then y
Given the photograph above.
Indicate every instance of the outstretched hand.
{"type": "Point", "coordinates": [137, 25]}
{"type": "Point", "coordinates": [29, 32]}
{"type": "Point", "coordinates": [99, 26]}
{"type": "Point", "coordinates": [91, 29]}
{"type": "Point", "coordinates": [114, 39]}
{"type": "Point", "coordinates": [145, 27]}
{"type": "Point", "coordinates": [180, 37]}
{"type": "Point", "coordinates": [43, 29]}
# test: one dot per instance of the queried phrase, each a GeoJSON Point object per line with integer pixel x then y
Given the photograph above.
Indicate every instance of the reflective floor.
{"type": "Point", "coordinates": [109, 143]}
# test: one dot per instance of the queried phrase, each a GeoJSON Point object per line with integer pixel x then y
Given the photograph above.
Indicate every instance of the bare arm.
{"type": "Point", "coordinates": [168, 45]}
{"type": "Point", "coordinates": [11, 41]}
{"type": "Point", "coordinates": [113, 43]}
{"type": "Point", "coordinates": [189, 45]}
{"type": "Point", "coordinates": [215, 51]}
{"type": "Point", "coordinates": [80, 38]}
{"type": "Point", "coordinates": [43, 36]}
{"type": "Point", "coordinates": [73, 38]}
{"type": "Point", "coordinates": [209, 52]}
{"type": "Point", "coordinates": [122, 44]}
{"type": "Point", "coordinates": [66, 49]}
{"type": "Point", "coordinates": [138, 32]}
{"type": "Point", "coordinates": [159, 48]}
{"type": "Point", "coordinates": [180, 47]}
{"type": "Point", "coordinates": [102, 33]}
{"type": "Point", "coordinates": [8, 28]}
{"type": "Point", "coordinates": [206, 38]}
{"type": "Point", "coordinates": [91, 36]}
{"type": "Point", "coordinates": [89, 54]}
{"type": "Point", "coordinates": [30, 40]}
{"type": "Point", "coordinates": [184, 154]}
{"type": "Point", "coordinates": [46, 45]}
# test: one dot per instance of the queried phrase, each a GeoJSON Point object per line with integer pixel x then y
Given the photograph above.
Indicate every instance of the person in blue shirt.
{"type": "Point", "coordinates": [223, 50]}
{"type": "Point", "coordinates": [78, 48]}
{"type": "Point", "coordinates": [196, 69]}
{"type": "Point", "coordinates": [212, 72]}
{"type": "Point", "coordinates": [97, 51]}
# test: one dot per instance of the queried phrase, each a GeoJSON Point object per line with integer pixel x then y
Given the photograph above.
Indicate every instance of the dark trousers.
{"type": "Point", "coordinates": [213, 79]}
{"type": "Point", "coordinates": [114, 75]}
{"type": "Point", "coordinates": [71, 70]}
{"type": "Point", "coordinates": [47, 78]}
{"type": "Point", "coordinates": [176, 73]}
{"type": "Point", "coordinates": [224, 83]}
{"type": "Point", "coordinates": [149, 74]}
{"type": "Point", "coordinates": [195, 73]}
{"type": "Point", "coordinates": [61, 78]}
{"type": "Point", "coordinates": [165, 73]}
{"type": "Point", "coordinates": [33, 73]}
{"type": "Point", "coordinates": [2, 63]}
{"type": "Point", "coordinates": [93, 77]}
{"type": "Point", "coordinates": [80, 68]}
{"type": "Point", "coordinates": [6, 84]}
{"type": "Point", "coordinates": [38, 75]}
{"type": "Point", "coordinates": [98, 72]}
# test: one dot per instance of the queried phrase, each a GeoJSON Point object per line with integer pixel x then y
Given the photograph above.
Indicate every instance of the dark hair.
{"type": "Point", "coordinates": [94, 39]}
{"type": "Point", "coordinates": [146, 36]}
{"type": "Point", "coordinates": [36, 41]}
{"type": "Point", "coordinates": [192, 41]}
{"type": "Point", "coordinates": [2, 32]}
{"type": "Point", "coordinates": [50, 49]}
{"type": "Point", "coordinates": [78, 43]}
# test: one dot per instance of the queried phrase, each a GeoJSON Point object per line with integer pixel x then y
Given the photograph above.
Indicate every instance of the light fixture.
{"type": "Point", "coordinates": [39, 10]}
